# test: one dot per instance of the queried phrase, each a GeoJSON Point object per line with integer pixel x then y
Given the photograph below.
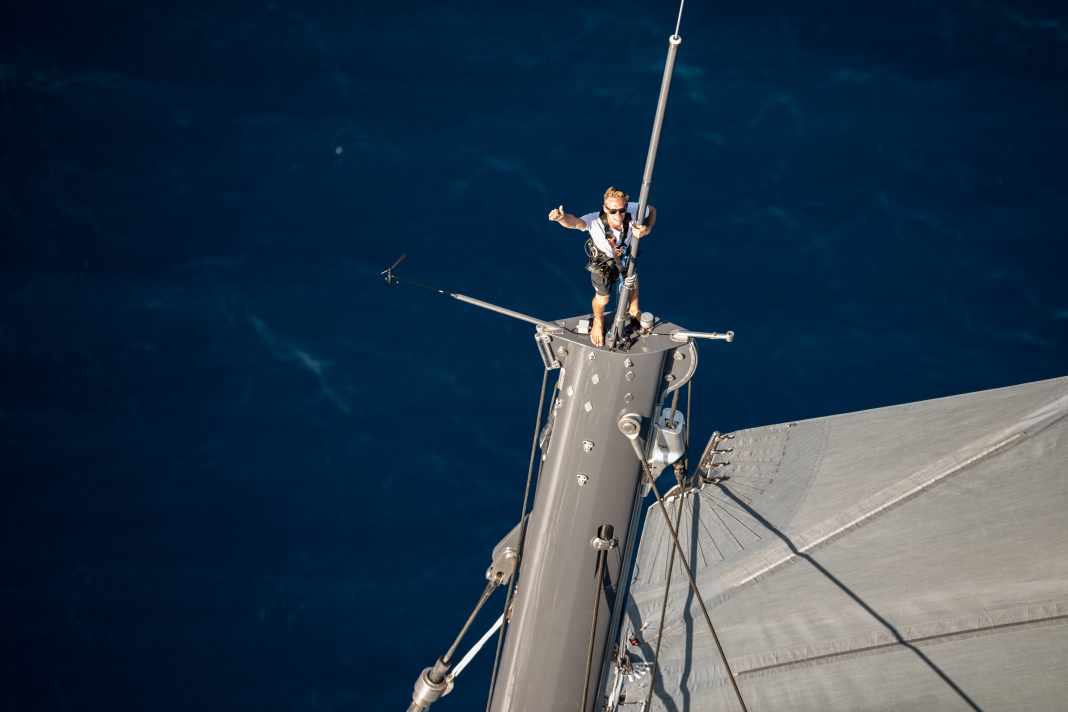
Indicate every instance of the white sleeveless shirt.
{"type": "Point", "coordinates": [596, 227]}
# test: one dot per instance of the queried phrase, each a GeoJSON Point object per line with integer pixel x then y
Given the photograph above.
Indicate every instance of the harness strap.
{"type": "Point", "coordinates": [621, 259]}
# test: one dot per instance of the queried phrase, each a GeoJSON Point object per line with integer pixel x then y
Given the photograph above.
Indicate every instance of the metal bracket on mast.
{"type": "Point", "coordinates": [544, 342]}
{"type": "Point", "coordinates": [667, 440]}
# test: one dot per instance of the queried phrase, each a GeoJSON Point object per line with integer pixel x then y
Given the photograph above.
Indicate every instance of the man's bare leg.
{"type": "Point", "coordinates": [633, 309]}
{"type": "Point", "coordinates": [597, 330]}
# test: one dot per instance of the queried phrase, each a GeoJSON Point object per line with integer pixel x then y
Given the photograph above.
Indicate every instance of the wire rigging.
{"type": "Point", "coordinates": [689, 574]}
{"type": "Point", "coordinates": [663, 613]}
{"type": "Point", "coordinates": [522, 534]}
{"type": "Point", "coordinates": [678, 518]}
{"type": "Point", "coordinates": [603, 532]}
{"type": "Point", "coordinates": [470, 655]}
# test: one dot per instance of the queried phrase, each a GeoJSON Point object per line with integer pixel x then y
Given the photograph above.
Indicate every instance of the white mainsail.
{"type": "Point", "coordinates": [909, 557]}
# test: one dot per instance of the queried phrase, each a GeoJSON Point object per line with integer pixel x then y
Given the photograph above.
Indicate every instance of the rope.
{"type": "Point", "coordinates": [522, 532]}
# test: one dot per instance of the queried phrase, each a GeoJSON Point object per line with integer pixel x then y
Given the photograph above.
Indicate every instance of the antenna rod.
{"type": "Point", "coordinates": [503, 310]}
{"type": "Point", "coordinates": [647, 178]}
{"type": "Point", "coordinates": [391, 280]}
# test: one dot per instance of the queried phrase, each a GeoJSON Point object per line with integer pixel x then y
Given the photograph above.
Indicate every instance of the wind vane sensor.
{"type": "Point", "coordinates": [388, 271]}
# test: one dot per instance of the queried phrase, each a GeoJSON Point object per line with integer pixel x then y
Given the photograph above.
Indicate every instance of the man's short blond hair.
{"type": "Point", "coordinates": [615, 193]}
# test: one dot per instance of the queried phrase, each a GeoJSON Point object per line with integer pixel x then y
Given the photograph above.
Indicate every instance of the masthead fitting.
{"type": "Point", "coordinates": [646, 322]}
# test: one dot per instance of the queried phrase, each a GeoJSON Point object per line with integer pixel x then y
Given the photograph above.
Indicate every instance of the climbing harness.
{"type": "Point", "coordinates": [609, 268]}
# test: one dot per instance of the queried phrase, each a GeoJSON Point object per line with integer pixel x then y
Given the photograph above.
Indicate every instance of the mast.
{"type": "Point", "coordinates": [604, 434]}
{"type": "Point", "coordinates": [580, 541]}
{"type": "Point", "coordinates": [605, 431]}
{"type": "Point", "coordinates": [615, 334]}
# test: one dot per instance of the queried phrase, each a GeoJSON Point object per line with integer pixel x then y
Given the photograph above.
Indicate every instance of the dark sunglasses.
{"type": "Point", "coordinates": [610, 211]}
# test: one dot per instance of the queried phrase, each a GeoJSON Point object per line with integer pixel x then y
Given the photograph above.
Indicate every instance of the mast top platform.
{"type": "Point", "coordinates": [575, 330]}
{"type": "Point", "coordinates": [569, 339]}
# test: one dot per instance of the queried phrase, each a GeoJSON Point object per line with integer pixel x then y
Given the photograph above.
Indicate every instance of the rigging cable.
{"type": "Point", "coordinates": [663, 613]}
{"type": "Point", "coordinates": [671, 561]}
{"type": "Point", "coordinates": [604, 533]}
{"type": "Point", "coordinates": [689, 574]}
{"type": "Point", "coordinates": [391, 279]}
{"type": "Point", "coordinates": [435, 681]}
{"type": "Point", "coordinates": [459, 668]}
{"type": "Point", "coordinates": [491, 585]}
{"type": "Point", "coordinates": [689, 402]}
{"type": "Point", "coordinates": [522, 533]}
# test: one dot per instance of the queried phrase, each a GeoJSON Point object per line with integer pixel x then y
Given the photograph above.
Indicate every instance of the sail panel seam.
{"type": "Point", "coordinates": [938, 637]}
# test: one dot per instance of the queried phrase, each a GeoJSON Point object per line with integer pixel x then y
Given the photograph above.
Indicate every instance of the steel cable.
{"type": "Point", "coordinates": [491, 586]}
{"type": "Point", "coordinates": [522, 534]}
{"type": "Point", "coordinates": [689, 575]}
{"type": "Point", "coordinates": [602, 556]}
{"type": "Point", "coordinates": [663, 613]}
{"type": "Point", "coordinates": [678, 23]}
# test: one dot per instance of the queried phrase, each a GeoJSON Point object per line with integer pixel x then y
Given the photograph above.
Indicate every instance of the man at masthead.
{"type": "Point", "coordinates": [610, 234]}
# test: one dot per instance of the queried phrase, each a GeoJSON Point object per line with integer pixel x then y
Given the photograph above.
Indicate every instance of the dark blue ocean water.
{"type": "Point", "coordinates": [241, 473]}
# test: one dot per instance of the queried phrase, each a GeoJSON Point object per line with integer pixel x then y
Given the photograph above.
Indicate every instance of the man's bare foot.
{"type": "Point", "coordinates": [597, 332]}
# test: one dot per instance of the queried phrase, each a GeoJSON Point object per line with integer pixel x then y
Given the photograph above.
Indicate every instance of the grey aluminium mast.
{"type": "Point", "coordinates": [606, 437]}
{"type": "Point", "coordinates": [913, 555]}
{"type": "Point", "coordinates": [608, 433]}
{"type": "Point", "coordinates": [616, 332]}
